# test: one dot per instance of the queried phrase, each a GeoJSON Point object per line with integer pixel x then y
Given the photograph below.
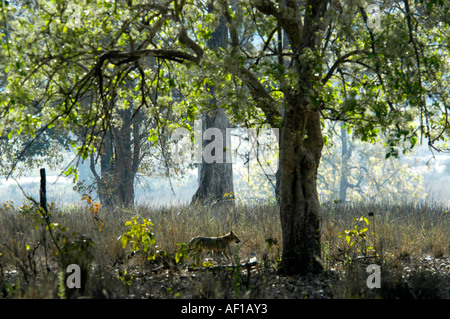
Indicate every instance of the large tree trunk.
{"type": "Point", "coordinates": [119, 162]}
{"type": "Point", "coordinates": [301, 138]}
{"type": "Point", "coordinates": [300, 151]}
{"type": "Point", "coordinates": [216, 179]}
{"type": "Point", "coordinates": [301, 144]}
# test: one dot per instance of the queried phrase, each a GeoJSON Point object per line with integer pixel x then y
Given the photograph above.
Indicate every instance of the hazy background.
{"type": "Point", "coordinates": [250, 183]}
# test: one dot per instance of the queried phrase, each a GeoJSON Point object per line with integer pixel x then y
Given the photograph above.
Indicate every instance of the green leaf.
{"type": "Point", "coordinates": [413, 141]}
{"type": "Point", "coordinates": [124, 240]}
{"type": "Point", "coordinates": [348, 238]}
{"type": "Point", "coordinates": [153, 138]}
{"type": "Point", "coordinates": [68, 171]}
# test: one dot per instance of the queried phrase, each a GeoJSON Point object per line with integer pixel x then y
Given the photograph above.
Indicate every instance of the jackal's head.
{"type": "Point", "coordinates": [234, 237]}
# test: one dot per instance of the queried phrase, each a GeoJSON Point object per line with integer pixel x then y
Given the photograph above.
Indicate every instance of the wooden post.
{"type": "Point", "coordinates": [43, 204]}
{"type": "Point", "coordinates": [43, 192]}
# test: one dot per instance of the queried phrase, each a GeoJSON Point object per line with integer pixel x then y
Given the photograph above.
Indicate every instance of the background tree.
{"type": "Point", "coordinates": [216, 179]}
{"type": "Point", "coordinates": [104, 106]}
{"type": "Point", "coordinates": [352, 170]}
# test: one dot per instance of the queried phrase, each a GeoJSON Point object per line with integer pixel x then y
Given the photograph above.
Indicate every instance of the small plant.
{"type": "Point", "coordinates": [237, 273]}
{"type": "Point", "coordinates": [326, 255]}
{"type": "Point", "coordinates": [184, 253]}
{"type": "Point", "coordinates": [125, 278]}
{"type": "Point", "coordinates": [357, 235]}
{"type": "Point", "coordinates": [172, 293]}
{"type": "Point", "coordinates": [140, 237]}
{"type": "Point", "coordinates": [13, 291]}
{"type": "Point", "coordinates": [33, 212]}
{"type": "Point", "coordinates": [61, 285]}
{"type": "Point", "coordinates": [40, 218]}
{"type": "Point", "coordinates": [95, 209]}
{"type": "Point", "coordinates": [8, 205]}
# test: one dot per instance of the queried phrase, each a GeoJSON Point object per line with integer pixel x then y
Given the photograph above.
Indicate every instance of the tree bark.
{"type": "Point", "coordinates": [119, 161]}
{"type": "Point", "coordinates": [105, 184]}
{"type": "Point", "coordinates": [105, 181]}
{"type": "Point", "coordinates": [124, 175]}
{"type": "Point", "coordinates": [301, 145]}
{"type": "Point", "coordinates": [216, 179]}
{"type": "Point", "coordinates": [278, 184]}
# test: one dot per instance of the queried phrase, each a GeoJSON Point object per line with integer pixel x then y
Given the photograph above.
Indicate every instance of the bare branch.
{"type": "Point", "coordinates": [265, 101]}
{"type": "Point", "coordinates": [184, 39]}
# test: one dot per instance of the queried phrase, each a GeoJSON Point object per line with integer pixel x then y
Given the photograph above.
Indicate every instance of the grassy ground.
{"type": "Point", "coordinates": [409, 241]}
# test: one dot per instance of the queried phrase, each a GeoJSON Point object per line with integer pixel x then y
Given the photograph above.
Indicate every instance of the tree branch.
{"type": "Point", "coordinates": [339, 61]}
{"type": "Point", "coordinates": [184, 39]}
{"type": "Point", "coordinates": [231, 27]}
{"type": "Point", "coordinates": [265, 101]}
{"type": "Point", "coordinates": [288, 17]}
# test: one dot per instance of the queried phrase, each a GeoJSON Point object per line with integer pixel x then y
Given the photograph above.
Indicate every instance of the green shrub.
{"type": "Point", "coordinates": [140, 237]}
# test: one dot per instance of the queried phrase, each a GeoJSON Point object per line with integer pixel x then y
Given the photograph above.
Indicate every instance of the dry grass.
{"type": "Point", "coordinates": [28, 254]}
{"type": "Point", "coordinates": [399, 230]}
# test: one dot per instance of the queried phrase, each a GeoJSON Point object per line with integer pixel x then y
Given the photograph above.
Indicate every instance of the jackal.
{"type": "Point", "coordinates": [215, 244]}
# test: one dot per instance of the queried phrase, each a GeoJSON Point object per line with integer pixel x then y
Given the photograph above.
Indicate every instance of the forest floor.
{"type": "Point", "coordinates": [412, 278]}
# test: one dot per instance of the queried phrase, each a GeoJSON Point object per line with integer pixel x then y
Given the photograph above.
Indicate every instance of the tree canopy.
{"type": "Point", "coordinates": [66, 62]}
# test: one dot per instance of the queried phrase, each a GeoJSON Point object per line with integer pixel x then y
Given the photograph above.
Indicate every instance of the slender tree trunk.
{"type": "Point", "coordinates": [105, 184]}
{"type": "Point", "coordinates": [124, 175]}
{"type": "Point", "coordinates": [216, 179]}
{"type": "Point", "coordinates": [278, 184]}
{"type": "Point", "coordinates": [105, 181]}
{"type": "Point", "coordinates": [346, 154]}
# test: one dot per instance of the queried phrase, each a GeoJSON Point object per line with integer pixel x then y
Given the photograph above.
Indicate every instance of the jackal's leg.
{"type": "Point", "coordinates": [226, 255]}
